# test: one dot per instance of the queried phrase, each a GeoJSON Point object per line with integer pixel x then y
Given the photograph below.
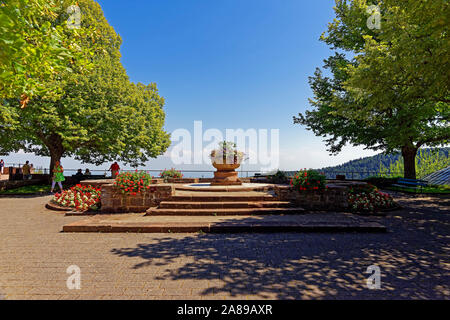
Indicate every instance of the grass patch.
{"type": "Point", "coordinates": [40, 188]}
{"type": "Point", "coordinates": [428, 189]}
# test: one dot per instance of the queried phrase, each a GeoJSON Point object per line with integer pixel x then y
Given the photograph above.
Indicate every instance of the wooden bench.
{"type": "Point", "coordinates": [410, 183]}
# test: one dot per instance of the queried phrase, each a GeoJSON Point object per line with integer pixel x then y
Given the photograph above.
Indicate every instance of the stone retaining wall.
{"type": "Point", "coordinates": [7, 184]}
{"type": "Point", "coordinates": [114, 201]}
{"type": "Point", "coordinates": [334, 198]}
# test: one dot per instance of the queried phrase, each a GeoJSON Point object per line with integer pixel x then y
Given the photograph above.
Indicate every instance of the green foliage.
{"type": "Point", "coordinates": [388, 88]}
{"type": "Point", "coordinates": [133, 182]}
{"type": "Point", "coordinates": [445, 189]}
{"type": "Point", "coordinates": [280, 177]}
{"type": "Point", "coordinates": [307, 180]}
{"type": "Point", "coordinates": [382, 182]}
{"type": "Point", "coordinates": [373, 166]}
{"type": "Point", "coordinates": [427, 162]}
{"type": "Point", "coordinates": [171, 173]}
{"type": "Point", "coordinates": [37, 47]}
{"type": "Point", "coordinates": [362, 188]}
{"type": "Point", "coordinates": [100, 117]}
{"type": "Point", "coordinates": [40, 188]}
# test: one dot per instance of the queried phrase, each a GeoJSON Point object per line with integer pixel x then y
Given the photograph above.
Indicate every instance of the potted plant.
{"type": "Point", "coordinates": [226, 159]}
{"type": "Point", "coordinates": [226, 156]}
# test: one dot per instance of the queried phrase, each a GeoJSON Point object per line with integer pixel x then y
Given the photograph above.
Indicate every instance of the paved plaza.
{"type": "Point", "coordinates": [413, 257]}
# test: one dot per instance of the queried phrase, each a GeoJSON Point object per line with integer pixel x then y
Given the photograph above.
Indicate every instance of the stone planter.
{"type": "Point", "coordinates": [226, 174]}
{"type": "Point", "coordinates": [182, 180]}
{"type": "Point", "coordinates": [334, 198]}
{"type": "Point", "coordinates": [114, 201]}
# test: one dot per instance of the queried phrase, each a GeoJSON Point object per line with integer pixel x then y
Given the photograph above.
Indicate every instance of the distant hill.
{"type": "Point", "coordinates": [368, 166]}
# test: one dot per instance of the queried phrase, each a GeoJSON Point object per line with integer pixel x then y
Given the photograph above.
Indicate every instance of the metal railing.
{"type": "Point", "coordinates": [349, 175]}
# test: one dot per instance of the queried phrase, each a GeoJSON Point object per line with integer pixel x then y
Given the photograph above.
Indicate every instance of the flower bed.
{"type": "Point", "coordinates": [368, 198]}
{"type": "Point", "coordinates": [171, 174]}
{"type": "Point", "coordinates": [116, 201]}
{"type": "Point", "coordinates": [80, 198]}
{"type": "Point", "coordinates": [133, 183]}
{"type": "Point", "coordinates": [308, 180]}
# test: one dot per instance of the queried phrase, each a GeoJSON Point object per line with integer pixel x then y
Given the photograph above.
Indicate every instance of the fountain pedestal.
{"type": "Point", "coordinates": [226, 175]}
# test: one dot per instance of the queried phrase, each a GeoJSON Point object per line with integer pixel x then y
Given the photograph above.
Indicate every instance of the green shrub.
{"type": "Point", "coordinates": [382, 182]}
{"type": "Point", "coordinates": [365, 188]}
{"type": "Point", "coordinates": [279, 177]}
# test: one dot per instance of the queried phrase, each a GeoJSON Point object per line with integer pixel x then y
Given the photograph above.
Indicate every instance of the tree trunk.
{"type": "Point", "coordinates": [56, 149]}
{"type": "Point", "coordinates": [409, 158]}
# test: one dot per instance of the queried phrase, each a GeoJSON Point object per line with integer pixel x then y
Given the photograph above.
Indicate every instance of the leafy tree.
{"type": "Point", "coordinates": [101, 116]}
{"type": "Point", "coordinates": [388, 88]}
{"type": "Point", "coordinates": [36, 46]}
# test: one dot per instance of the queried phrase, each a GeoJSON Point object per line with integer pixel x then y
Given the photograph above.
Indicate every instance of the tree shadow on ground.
{"type": "Point", "coordinates": [413, 258]}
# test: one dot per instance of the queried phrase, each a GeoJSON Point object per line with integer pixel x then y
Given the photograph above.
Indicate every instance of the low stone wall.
{"type": "Point", "coordinates": [114, 201]}
{"type": "Point", "coordinates": [182, 180]}
{"type": "Point", "coordinates": [96, 183]}
{"type": "Point", "coordinates": [7, 184]}
{"type": "Point", "coordinates": [334, 198]}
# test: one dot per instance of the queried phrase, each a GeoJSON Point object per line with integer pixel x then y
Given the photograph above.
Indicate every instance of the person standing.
{"type": "Point", "coordinates": [58, 176]}
{"type": "Point", "coordinates": [114, 170]}
{"type": "Point", "coordinates": [26, 171]}
{"type": "Point", "coordinates": [2, 165]}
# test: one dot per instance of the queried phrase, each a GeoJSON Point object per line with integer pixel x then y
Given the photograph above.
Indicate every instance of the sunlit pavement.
{"type": "Point", "coordinates": [413, 258]}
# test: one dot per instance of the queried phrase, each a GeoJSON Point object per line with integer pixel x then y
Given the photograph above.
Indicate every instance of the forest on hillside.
{"type": "Point", "coordinates": [386, 164]}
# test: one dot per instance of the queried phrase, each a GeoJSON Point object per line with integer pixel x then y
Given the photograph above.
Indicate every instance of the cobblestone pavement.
{"type": "Point", "coordinates": [35, 254]}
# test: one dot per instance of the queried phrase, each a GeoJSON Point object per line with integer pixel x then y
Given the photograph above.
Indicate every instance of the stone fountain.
{"type": "Point", "coordinates": [226, 175]}
{"type": "Point", "coordinates": [226, 160]}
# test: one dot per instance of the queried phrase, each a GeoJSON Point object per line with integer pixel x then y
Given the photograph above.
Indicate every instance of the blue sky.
{"type": "Point", "coordinates": [229, 63]}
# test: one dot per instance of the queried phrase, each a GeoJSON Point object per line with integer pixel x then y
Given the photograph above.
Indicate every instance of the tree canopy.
{"type": "Point", "coordinates": [99, 115]}
{"type": "Point", "coordinates": [37, 45]}
{"type": "Point", "coordinates": [387, 88]}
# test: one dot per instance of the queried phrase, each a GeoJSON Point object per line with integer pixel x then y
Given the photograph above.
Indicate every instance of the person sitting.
{"type": "Point", "coordinates": [79, 175]}
{"type": "Point", "coordinates": [87, 172]}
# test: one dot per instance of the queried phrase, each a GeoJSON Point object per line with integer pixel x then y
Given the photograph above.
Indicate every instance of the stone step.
{"type": "Point", "coordinates": [222, 212]}
{"type": "Point", "coordinates": [185, 224]}
{"type": "Point", "coordinates": [246, 187]}
{"type": "Point", "coordinates": [224, 205]}
{"type": "Point", "coordinates": [209, 197]}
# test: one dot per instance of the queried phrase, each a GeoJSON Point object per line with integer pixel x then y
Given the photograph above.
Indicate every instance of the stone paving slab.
{"type": "Point", "coordinates": [413, 257]}
{"type": "Point", "coordinates": [314, 222]}
{"type": "Point", "coordinates": [223, 212]}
